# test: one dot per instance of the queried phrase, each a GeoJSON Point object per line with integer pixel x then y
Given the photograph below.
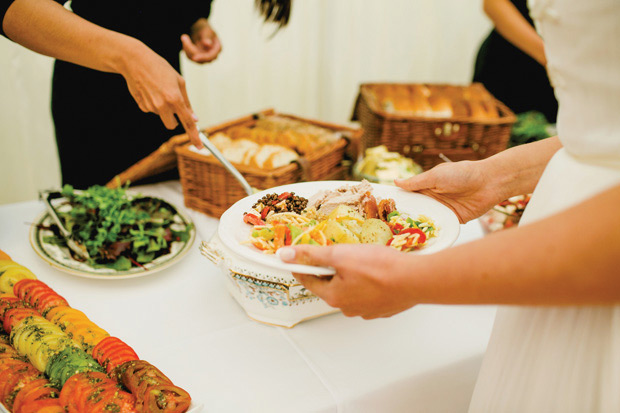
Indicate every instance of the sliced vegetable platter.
{"type": "Point", "coordinates": [54, 359]}
{"type": "Point", "coordinates": [125, 235]}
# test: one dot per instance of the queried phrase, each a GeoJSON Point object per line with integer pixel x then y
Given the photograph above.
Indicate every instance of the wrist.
{"type": "Point", "coordinates": [125, 56]}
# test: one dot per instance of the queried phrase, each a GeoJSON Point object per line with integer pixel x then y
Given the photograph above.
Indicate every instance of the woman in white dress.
{"type": "Point", "coordinates": [555, 345]}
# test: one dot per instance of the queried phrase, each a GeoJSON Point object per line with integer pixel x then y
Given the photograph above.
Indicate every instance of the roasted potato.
{"type": "Point", "coordinates": [338, 233]}
{"type": "Point", "coordinates": [375, 231]}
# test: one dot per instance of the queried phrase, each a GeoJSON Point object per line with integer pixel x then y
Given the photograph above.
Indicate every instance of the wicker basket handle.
{"type": "Point", "coordinates": [304, 167]}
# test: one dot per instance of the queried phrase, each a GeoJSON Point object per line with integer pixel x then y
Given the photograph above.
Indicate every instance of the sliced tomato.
{"type": "Point", "coordinates": [170, 398]}
{"type": "Point", "coordinates": [13, 316]}
{"type": "Point", "coordinates": [50, 300]}
{"type": "Point", "coordinates": [253, 219]}
{"type": "Point", "coordinates": [43, 406]}
{"type": "Point", "coordinates": [7, 303]}
{"type": "Point", "coordinates": [285, 195]}
{"type": "Point", "coordinates": [422, 235]}
{"type": "Point", "coordinates": [397, 228]}
{"type": "Point", "coordinates": [15, 376]}
{"type": "Point", "coordinates": [32, 391]}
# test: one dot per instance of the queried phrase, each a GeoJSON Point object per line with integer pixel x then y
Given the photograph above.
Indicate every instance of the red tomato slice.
{"type": "Point", "coordinates": [422, 235]}
{"type": "Point", "coordinates": [43, 406]}
{"type": "Point", "coordinates": [253, 219]}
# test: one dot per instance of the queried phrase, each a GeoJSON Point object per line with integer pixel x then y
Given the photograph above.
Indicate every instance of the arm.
{"type": "Point", "coordinates": [511, 25]}
{"type": "Point", "coordinates": [472, 188]}
{"type": "Point", "coordinates": [550, 262]}
{"type": "Point", "coordinates": [47, 28]}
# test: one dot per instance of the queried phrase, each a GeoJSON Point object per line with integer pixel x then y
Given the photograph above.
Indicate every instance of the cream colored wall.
{"type": "Point", "coordinates": [312, 68]}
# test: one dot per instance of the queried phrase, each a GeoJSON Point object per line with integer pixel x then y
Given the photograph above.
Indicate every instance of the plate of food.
{"type": "Point", "coordinates": [335, 212]}
{"type": "Point", "coordinates": [122, 235]}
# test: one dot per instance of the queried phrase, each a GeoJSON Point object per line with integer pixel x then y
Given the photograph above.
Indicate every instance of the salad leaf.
{"type": "Point", "coordinates": [119, 231]}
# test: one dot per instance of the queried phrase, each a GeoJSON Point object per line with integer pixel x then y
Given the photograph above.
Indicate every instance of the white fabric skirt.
{"type": "Point", "coordinates": [555, 359]}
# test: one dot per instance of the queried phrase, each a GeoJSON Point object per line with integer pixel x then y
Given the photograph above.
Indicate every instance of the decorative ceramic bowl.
{"type": "Point", "coordinates": [266, 294]}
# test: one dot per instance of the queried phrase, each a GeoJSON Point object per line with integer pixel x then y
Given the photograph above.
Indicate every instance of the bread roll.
{"type": "Point", "coordinates": [263, 153]}
{"type": "Point", "coordinates": [477, 110]}
{"type": "Point", "coordinates": [491, 109]}
{"type": "Point", "coordinates": [281, 158]}
{"type": "Point", "coordinates": [460, 108]}
{"type": "Point", "coordinates": [441, 105]}
{"type": "Point", "coordinates": [240, 151]}
{"type": "Point", "coordinates": [220, 141]}
{"type": "Point", "coordinates": [420, 106]}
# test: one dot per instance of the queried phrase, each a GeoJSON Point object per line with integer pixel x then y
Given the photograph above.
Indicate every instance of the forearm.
{"type": "Point", "coordinates": [516, 171]}
{"type": "Point", "coordinates": [46, 27]}
{"type": "Point", "coordinates": [511, 25]}
{"type": "Point", "coordinates": [570, 258]}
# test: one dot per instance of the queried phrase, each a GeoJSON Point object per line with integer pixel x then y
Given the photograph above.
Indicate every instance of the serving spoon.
{"type": "Point", "coordinates": [218, 155]}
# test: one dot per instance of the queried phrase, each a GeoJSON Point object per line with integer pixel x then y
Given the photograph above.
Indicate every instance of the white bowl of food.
{"type": "Point", "coordinates": [322, 213]}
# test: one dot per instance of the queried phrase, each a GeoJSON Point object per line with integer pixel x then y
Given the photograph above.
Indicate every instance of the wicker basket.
{"type": "Point", "coordinates": [209, 188]}
{"type": "Point", "coordinates": [425, 138]}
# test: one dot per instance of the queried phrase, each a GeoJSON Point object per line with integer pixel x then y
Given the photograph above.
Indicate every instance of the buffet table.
{"type": "Point", "coordinates": [183, 320]}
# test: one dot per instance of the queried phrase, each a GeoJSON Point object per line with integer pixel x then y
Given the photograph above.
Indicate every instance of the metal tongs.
{"type": "Point", "coordinates": [77, 248]}
{"type": "Point", "coordinates": [218, 155]}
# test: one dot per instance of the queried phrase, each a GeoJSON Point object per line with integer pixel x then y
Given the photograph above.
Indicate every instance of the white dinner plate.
{"type": "Point", "coordinates": [234, 233]}
{"type": "Point", "coordinates": [60, 257]}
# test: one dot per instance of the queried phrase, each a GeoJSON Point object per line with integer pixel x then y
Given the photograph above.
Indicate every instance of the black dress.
{"type": "Point", "coordinates": [514, 77]}
{"type": "Point", "coordinates": [100, 130]}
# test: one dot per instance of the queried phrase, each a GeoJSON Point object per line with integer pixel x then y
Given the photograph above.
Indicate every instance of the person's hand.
{"type": "Point", "coordinates": [157, 87]}
{"type": "Point", "coordinates": [462, 186]}
{"type": "Point", "coordinates": [203, 46]}
{"type": "Point", "coordinates": [367, 283]}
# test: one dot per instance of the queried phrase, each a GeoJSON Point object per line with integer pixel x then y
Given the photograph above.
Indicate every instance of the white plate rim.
{"type": "Point", "coordinates": [449, 231]}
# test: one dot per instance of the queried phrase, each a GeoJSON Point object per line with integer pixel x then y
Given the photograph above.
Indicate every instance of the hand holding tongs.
{"type": "Point", "coordinates": [211, 147]}
{"type": "Point", "coordinates": [47, 197]}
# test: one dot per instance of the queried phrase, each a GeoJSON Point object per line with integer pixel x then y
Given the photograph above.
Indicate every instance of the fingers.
{"type": "Point", "coordinates": [308, 255]}
{"type": "Point", "coordinates": [318, 285]}
{"type": "Point", "coordinates": [189, 47]}
{"type": "Point", "coordinates": [206, 48]}
{"type": "Point", "coordinates": [416, 183]}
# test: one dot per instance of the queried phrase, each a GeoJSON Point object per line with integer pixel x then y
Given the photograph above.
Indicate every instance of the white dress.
{"type": "Point", "coordinates": [566, 359]}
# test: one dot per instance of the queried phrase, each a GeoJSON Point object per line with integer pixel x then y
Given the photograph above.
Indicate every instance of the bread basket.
{"type": "Point", "coordinates": [209, 188]}
{"type": "Point", "coordinates": [422, 121]}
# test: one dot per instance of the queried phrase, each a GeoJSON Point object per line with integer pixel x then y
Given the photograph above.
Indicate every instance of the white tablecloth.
{"type": "Point", "coordinates": [184, 321]}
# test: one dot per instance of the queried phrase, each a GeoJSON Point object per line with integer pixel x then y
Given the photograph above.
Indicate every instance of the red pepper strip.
{"type": "Point", "coordinates": [253, 219]}
{"type": "Point", "coordinates": [422, 235]}
{"type": "Point", "coordinates": [389, 241]}
{"type": "Point", "coordinates": [284, 195]}
{"type": "Point", "coordinates": [287, 236]}
{"type": "Point", "coordinates": [397, 228]}
{"type": "Point", "coordinates": [264, 212]}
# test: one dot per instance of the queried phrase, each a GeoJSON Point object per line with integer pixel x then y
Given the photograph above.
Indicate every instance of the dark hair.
{"type": "Point", "coordinates": [275, 11]}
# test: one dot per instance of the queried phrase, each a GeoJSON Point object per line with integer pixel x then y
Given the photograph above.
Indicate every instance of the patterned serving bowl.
{"type": "Point", "coordinates": [268, 295]}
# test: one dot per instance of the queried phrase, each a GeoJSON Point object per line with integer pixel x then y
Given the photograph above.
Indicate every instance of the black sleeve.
{"type": "Point", "coordinates": [4, 6]}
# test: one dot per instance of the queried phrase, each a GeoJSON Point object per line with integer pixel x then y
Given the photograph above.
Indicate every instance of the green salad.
{"type": "Point", "coordinates": [117, 230]}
